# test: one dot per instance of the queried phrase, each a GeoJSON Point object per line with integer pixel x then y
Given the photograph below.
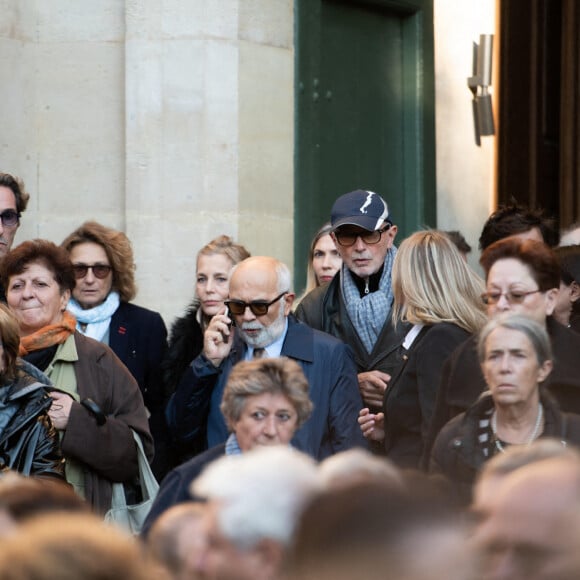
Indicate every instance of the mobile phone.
{"type": "Point", "coordinates": [230, 324]}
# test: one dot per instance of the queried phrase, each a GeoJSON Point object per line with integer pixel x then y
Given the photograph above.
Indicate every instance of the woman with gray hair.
{"type": "Point", "coordinates": [264, 403]}
{"type": "Point", "coordinates": [516, 357]}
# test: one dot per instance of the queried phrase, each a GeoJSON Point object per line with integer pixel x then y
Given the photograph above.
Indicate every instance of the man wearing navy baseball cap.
{"type": "Point", "coordinates": [356, 305]}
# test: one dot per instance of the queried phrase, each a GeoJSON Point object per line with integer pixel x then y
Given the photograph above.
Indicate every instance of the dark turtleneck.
{"type": "Point", "coordinates": [370, 284]}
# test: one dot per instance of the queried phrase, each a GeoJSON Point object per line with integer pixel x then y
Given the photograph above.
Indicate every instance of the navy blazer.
{"type": "Point", "coordinates": [138, 336]}
{"type": "Point", "coordinates": [329, 366]}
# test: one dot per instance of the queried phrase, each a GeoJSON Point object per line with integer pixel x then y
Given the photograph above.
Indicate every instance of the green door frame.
{"type": "Point", "coordinates": [418, 118]}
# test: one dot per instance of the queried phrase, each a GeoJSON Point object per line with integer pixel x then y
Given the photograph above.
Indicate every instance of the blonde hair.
{"type": "Point", "coordinates": [226, 246]}
{"type": "Point", "coordinates": [432, 283]}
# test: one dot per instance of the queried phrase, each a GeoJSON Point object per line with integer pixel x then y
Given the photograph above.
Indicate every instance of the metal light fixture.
{"type": "Point", "coordinates": [479, 85]}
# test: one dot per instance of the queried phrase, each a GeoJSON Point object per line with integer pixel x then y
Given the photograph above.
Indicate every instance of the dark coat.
{"type": "Point", "coordinates": [457, 455]}
{"type": "Point", "coordinates": [185, 343]}
{"type": "Point", "coordinates": [324, 309]}
{"type": "Point", "coordinates": [462, 380]}
{"type": "Point", "coordinates": [29, 443]}
{"type": "Point", "coordinates": [139, 338]}
{"type": "Point", "coordinates": [329, 367]}
{"type": "Point", "coordinates": [410, 397]}
{"type": "Point", "coordinates": [175, 488]}
{"type": "Point", "coordinates": [108, 452]}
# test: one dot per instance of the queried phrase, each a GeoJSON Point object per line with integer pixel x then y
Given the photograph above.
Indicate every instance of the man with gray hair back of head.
{"type": "Point", "coordinates": [254, 502]}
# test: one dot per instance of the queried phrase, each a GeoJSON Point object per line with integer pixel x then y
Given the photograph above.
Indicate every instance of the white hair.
{"type": "Point", "coordinates": [261, 493]}
{"type": "Point", "coordinates": [356, 465]}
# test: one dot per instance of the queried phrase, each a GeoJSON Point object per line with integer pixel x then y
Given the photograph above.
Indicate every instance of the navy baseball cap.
{"type": "Point", "coordinates": [362, 208]}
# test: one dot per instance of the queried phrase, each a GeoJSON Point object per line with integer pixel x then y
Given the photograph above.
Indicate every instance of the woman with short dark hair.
{"type": "Point", "coordinates": [98, 403]}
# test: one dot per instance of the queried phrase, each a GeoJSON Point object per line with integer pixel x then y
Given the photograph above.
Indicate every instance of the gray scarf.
{"type": "Point", "coordinates": [369, 313]}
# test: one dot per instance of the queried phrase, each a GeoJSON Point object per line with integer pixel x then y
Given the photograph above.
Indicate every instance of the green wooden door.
{"type": "Point", "coordinates": [364, 111]}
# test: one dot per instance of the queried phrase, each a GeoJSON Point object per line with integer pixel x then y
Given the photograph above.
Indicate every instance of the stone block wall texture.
{"type": "Point", "coordinates": [172, 120]}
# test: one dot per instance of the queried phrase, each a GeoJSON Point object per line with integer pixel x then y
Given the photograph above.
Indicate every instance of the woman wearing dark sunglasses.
{"type": "Point", "coordinates": [104, 272]}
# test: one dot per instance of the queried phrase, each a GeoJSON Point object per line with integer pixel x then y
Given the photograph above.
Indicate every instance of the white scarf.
{"type": "Point", "coordinates": [97, 319]}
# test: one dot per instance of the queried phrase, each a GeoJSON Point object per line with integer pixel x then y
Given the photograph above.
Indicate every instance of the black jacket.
{"type": "Point", "coordinates": [457, 455]}
{"type": "Point", "coordinates": [410, 397]}
{"type": "Point", "coordinates": [29, 443]}
{"type": "Point", "coordinates": [462, 380]}
{"type": "Point", "coordinates": [324, 309]}
{"type": "Point", "coordinates": [185, 343]}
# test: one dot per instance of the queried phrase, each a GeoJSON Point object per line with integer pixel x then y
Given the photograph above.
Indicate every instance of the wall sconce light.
{"type": "Point", "coordinates": [479, 85]}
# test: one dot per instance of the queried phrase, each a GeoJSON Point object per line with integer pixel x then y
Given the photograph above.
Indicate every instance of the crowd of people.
{"type": "Point", "coordinates": [403, 418]}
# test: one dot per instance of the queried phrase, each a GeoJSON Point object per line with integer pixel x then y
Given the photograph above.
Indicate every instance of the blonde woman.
{"type": "Point", "coordinates": [435, 291]}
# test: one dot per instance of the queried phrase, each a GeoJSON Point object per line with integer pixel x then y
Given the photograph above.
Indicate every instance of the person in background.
{"type": "Point", "coordinates": [440, 296]}
{"type": "Point", "coordinates": [355, 306]}
{"type": "Point", "coordinates": [13, 202]}
{"type": "Point", "coordinates": [104, 272]}
{"type": "Point", "coordinates": [324, 260]}
{"type": "Point", "coordinates": [520, 221]}
{"type": "Point", "coordinates": [97, 403]}
{"type": "Point", "coordinates": [516, 358]}
{"type": "Point", "coordinates": [29, 442]}
{"type": "Point", "coordinates": [567, 310]}
{"type": "Point", "coordinates": [213, 267]}
{"type": "Point", "coordinates": [459, 241]}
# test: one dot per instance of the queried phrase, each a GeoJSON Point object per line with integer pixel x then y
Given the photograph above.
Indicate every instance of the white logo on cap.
{"type": "Point", "coordinates": [367, 202]}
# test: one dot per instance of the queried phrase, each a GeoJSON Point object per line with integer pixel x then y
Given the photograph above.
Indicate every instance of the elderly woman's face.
{"type": "Point", "coordinates": [509, 276]}
{"type": "Point", "coordinates": [90, 291]}
{"type": "Point", "coordinates": [511, 368]}
{"type": "Point", "coordinates": [35, 298]}
{"type": "Point", "coordinates": [267, 419]}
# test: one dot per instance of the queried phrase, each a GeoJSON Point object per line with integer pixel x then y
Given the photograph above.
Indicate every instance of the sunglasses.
{"type": "Point", "coordinates": [9, 218]}
{"type": "Point", "coordinates": [258, 307]}
{"type": "Point", "coordinates": [511, 297]}
{"type": "Point", "coordinates": [348, 238]}
{"type": "Point", "coordinates": [100, 271]}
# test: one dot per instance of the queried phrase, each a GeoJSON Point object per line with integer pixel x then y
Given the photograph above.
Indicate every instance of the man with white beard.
{"type": "Point", "coordinates": [256, 323]}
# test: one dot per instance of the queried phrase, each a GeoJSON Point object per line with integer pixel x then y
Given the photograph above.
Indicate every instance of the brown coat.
{"type": "Point", "coordinates": [108, 452]}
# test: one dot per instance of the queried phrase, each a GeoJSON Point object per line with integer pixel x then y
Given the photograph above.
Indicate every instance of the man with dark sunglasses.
{"type": "Point", "coordinates": [356, 305]}
{"type": "Point", "coordinates": [257, 322]}
{"type": "Point", "coordinates": [13, 201]}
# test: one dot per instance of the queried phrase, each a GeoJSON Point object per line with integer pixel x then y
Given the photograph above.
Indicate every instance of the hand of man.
{"type": "Point", "coordinates": [372, 386]}
{"type": "Point", "coordinates": [218, 338]}
{"type": "Point", "coordinates": [59, 411]}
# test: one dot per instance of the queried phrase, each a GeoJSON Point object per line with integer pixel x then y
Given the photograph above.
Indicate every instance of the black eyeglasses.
{"type": "Point", "coordinates": [9, 218]}
{"type": "Point", "coordinates": [258, 308]}
{"type": "Point", "coordinates": [99, 270]}
{"type": "Point", "coordinates": [348, 238]}
{"type": "Point", "coordinates": [510, 296]}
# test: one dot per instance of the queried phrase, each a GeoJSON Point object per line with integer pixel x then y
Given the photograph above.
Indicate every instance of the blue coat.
{"type": "Point", "coordinates": [331, 372]}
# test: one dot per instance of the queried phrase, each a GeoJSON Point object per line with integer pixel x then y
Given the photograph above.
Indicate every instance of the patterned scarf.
{"type": "Point", "coordinates": [48, 335]}
{"type": "Point", "coordinates": [369, 313]}
{"type": "Point", "coordinates": [97, 319]}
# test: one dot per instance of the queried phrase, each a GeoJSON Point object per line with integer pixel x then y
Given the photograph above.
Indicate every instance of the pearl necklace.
{"type": "Point", "coordinates": [531, 438]}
